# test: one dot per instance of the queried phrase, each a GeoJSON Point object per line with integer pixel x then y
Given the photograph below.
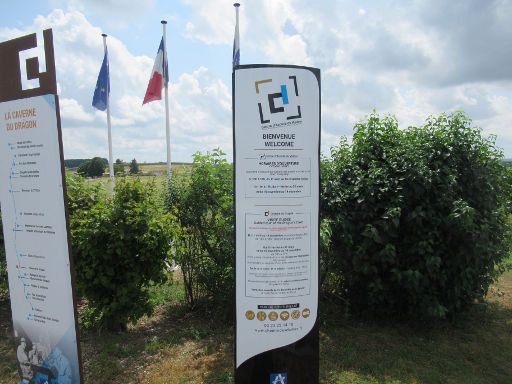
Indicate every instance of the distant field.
{"type": "Point", "coordinates": [151, 169]}
{"type": "Point", "coordinates": [161, 168]}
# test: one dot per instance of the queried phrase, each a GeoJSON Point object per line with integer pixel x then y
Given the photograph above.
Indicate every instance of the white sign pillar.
{"type": "Point", "coordinates": [277, 165]}
{"type": "Point", "coordinates": [35, 223]}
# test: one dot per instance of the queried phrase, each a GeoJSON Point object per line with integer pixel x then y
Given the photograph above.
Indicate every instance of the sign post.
{"type": "Point", "coordinates": [276, 118]}
{"type": "Point", "coordinates": [35, 220]}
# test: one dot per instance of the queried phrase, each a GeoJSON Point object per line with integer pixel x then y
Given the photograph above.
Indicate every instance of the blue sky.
{"type": "Point", "coordinates": [410, 59]}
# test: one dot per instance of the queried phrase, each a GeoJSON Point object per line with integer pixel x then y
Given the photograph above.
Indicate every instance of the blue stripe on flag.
{"type": "Point", "coordinates": [102, 90]}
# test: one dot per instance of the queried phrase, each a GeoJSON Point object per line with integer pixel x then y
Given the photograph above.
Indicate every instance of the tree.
{"type": "Point", "coordinates": [96, 167]}
{"type": "Point", "coordinates": [119, 167]}
{"type": "Point", "coordinates": [92, 168]}
{"type": "Point", "coordinates": [419, 217]}
{"type": "Point", "coordinates": [134, 167]}
{"type": "Point", "coordinates": [83, 168]}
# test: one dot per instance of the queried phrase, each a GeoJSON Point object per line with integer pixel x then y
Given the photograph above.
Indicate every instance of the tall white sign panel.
{"type": "Point", "coordinates": [276, 142]}
{"type": "Point", "coordinates": [36, 237]}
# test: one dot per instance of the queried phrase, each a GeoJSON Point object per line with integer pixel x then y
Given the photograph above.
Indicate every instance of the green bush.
{"type": "Point", "coordinates": [82, 195]}
{"type": "Point", "coordinates": [202, 201]}
{"type": "Point", "coordinates": [329, 278]}
{"type": "Point", "coordinates": [418, 216]}
{"type": "Point", "coordinates": [188, 254]}
{"type": "Point", "coordinates": [120, 246]}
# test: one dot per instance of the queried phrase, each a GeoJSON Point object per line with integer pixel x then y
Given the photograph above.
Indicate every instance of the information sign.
{"type": "Point", "coordinates": [36, 234]}
{"type": "Point", "coordinates": [277, 143]}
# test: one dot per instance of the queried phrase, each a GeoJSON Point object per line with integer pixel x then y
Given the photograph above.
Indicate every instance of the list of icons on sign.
{"type": "Point", "coordinates": [273, 315]}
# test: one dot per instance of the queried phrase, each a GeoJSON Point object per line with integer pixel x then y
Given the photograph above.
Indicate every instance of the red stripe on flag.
{"type": "Point", "coordinates": [154, 91]}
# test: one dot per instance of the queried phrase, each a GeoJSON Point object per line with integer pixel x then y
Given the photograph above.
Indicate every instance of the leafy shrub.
{"type": "Point", "coordinates": [419, 216]}
{"type": "Point", "coordinates": [120, 246]}
{"type": "Point", "coordinates": [82, 195]}
{"type": "Point", "coordinates": [188, 254]}
{"type": "Point", "coordinates": [202, 201]}
{"type": "Point", "coordinates": [329, 276]}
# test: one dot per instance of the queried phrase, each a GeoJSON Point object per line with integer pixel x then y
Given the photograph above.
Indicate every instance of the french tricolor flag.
{"type": "Point", "coordinates": [158, 76]}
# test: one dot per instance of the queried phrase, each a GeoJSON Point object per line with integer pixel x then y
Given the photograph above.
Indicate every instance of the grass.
{"type": "Point", "coordinates": [178, 346]}
{"type": "Point", "coordinates": [462, 352]}
{"type": "Point", "coordinates": [161, 168]}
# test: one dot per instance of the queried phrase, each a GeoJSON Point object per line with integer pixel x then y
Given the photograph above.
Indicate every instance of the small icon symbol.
{"type": "Point", "coordinates": [273, 316]}
{"type": "Point", "coordinates": [249, 315]}
{"type": "Point", "coordinates": [278, 378]}
{"type": "Point", "coordinates": [285, 315]}
{"type": "Point", "coordinates": [305, 313]}
{"type": "Point", "coordinates": [261, 315]}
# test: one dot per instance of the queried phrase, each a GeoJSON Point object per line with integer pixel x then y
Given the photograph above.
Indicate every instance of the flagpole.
{"type": "Point", "coordinates": [166, 90]}
{"type": "Point", "coordinates": [237, 6]}
{"type": "Point", "coordinates": [237, 33]}
{"type": "Point", "coordinates": [110, 158]}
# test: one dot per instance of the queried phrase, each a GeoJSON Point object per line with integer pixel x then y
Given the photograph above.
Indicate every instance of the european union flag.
{"type": "Point", "coordinates": [102, 91]}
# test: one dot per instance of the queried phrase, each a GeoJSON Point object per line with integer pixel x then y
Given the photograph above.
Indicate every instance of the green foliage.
{"type": "Point", "coordinates": [134, 167]}
{"type": "Point", "coordinates": [120, 246]}
{"type": "Point", "coordinates": [92, 168]}
{"type": "Point", "coordinates": [96, 167]}
{"type": "Point", "coordinates": [119, 167]}
{"type": "Point", "coordinates": [188, 254]}
{"type": "Point", "coordinates": [202, 201]}
{"type": "Point", "coordinates": [167, 294]}
{"type": "Point", "coordinates": [82, 196]}
{"type": "Point", "coordinates": [329, 277]}
{"type": "Point", "coordinates": [75, 163]}
{"type": "Point", "coordinates": [418, 216]}
{"type": "Point", "coordinates": [83, 168]}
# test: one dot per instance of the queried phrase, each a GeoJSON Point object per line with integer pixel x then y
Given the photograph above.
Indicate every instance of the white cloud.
{"type": "Point", "coordinates": [116, 14]}
{"type": "Point", "coordinates": [287, 50]}
{"type": "Point", "coordinates": [72, 110]}
{"type": "Point", "coordinates": [213, 21]}
{"type": "Point", "coordinates": [200, 105]}
{"type": "Point", "coordinates": [411, 59]}
{"type": "Point", "coordinates": [262, 27]}
{"type": "Point", "coordinates": [500, 122]}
